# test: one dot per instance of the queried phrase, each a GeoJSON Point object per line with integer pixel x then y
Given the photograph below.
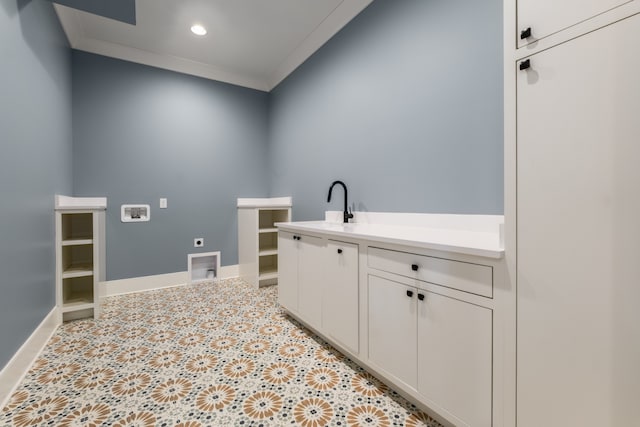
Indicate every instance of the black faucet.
{"type": "Point", "coordinates": [346, 214]}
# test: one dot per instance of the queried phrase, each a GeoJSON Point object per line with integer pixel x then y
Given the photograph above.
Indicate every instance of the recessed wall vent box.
{"type": "Point", "coordinates": [204, 266]}
{"type": "Point", "coordinates": [135, 213]}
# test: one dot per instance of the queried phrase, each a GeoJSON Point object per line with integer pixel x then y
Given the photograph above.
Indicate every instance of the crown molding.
{"type": "Point", "coordinates": [334, 22]}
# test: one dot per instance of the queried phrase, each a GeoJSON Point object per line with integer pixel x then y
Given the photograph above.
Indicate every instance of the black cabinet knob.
{"type": "Point", "coordinates": [525, 34]}
{"type": "Point", "coordinates": [421, 297]}
{"type": "Point", "coordinates": [339, 251]}
{"type": "Point", "coordinates": [409, 294]}
{"type": "Point", "coordinates": [414, 267]}
{"type": "Point", "coordinates": [525, 64]}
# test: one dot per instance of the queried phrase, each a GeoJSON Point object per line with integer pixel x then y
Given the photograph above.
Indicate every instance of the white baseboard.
{"type": "Point", "coordinates": [158, 281]}
{"type": "Point", "coordinates": [14, 371]}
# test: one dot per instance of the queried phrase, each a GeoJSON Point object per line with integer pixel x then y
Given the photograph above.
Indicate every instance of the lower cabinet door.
{"type": "Point", "coordinates": [455, 357]}
{"type": "Point", "coordinates": [392, 328]}
{"type": "Point", "coordinates": [287, 271]}
{"type": "Point", "coordinates": [311, 251]}
{"type": "Point", "coordinates": [340, 314]}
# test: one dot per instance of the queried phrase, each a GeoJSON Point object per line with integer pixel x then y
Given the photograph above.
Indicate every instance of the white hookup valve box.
{"type": "Point", "coordinates": [135, 213]}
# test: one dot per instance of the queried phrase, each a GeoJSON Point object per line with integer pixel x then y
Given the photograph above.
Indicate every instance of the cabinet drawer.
{"type": "Point", "coordinates": [473, 278]}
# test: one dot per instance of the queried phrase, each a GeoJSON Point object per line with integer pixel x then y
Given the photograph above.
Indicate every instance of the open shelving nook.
{"type": "Point", "coordinates": [258, 238]}
{"type": "Point", "coordinates": [79, 256]}
{"type": "Point", "coordinates": [268, 217]}
{"type": "Point", "coordinates": [77, 259]}
{"type": "Point", "coordinates": [268, 268]}
{"type": "Point", "coordinates": [77, 293]}
{"type": "Point", "coordinates": [268, 243]}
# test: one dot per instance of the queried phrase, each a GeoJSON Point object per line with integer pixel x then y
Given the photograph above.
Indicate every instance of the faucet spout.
{"type": "Point", "coordinates": [346, 215]}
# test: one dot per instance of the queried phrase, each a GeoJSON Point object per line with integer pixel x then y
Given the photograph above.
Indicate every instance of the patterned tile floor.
{"type": "Point", "coordinates": [218, 354]}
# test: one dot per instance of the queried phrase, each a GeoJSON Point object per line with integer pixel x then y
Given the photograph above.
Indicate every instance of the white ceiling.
{"type": "Point", "coordinates": [251, 43]}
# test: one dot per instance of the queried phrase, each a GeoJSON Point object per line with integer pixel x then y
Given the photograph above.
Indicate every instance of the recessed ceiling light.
{"type": "Point", "coordinates": [198, 30]}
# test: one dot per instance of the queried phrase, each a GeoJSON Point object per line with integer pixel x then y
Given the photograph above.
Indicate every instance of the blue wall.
{"type": "Point", "coordinates": [404, 105]}
{"type": "Point", "coordinates": [35, 163]}
{"type": "Point", "coordinates": [142, 133]}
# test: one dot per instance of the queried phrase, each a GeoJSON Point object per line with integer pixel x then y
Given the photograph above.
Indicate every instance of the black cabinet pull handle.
{"type": "Point", "coordinates": [525, 64]}
{"type": "Point", "coordinates": [409, 294]}
{"type": "Point", "coordinates": [414, 267]}
{"type": "Point", "coordinates": [421, 297]}
{"type": "Point", "coordinates": [339, 251]}
{"type": "Point", "coordinates": [296, 237]}
{"type": "Point", "coordinates": [525, 34]}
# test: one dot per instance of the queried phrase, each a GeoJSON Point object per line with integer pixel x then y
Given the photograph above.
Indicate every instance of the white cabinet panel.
{"type": "Point", "coordinates": [287, 271]}
{"type": "Point", "coordinates": [454, 357]}
{"type": "Point", "coordinates": [301, 275]}
{"type": "Point", "coordinates": [311, 262]}
{"type": "Point", "coordinates": [578, 228]}
{"type": "Point", "coordinates": [546, 17]}
{"type": "Point", "coordinates": [340, 313]}
{"type": "Point", "coordinates": [464, 276]}
{"type": "Point", "coordinates": [393, 328]}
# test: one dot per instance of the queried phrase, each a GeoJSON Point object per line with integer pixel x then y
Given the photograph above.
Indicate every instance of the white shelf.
{"type": "Point", "coordinates": [268, 230]}
{"type": "Point", "coordinates": [77, 270]}
{"type": "Point", "coordinates": [74, 242]}
{"type": "Point", "coordinates": [80, 203]}
{"type": "Point", "coordinates": [268, 274]}
{"type": "Point", "coordinates": [77, 305]}
{"type": "Point", "coordinates": [268, 251]}
{"type": "Point", "coordinates": [265, 203]}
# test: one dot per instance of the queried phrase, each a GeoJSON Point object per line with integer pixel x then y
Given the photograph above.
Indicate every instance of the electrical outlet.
{"type": "Point", "coordinates": [198, 242]}
{"type": "Point", "coordinates": [163, 203]}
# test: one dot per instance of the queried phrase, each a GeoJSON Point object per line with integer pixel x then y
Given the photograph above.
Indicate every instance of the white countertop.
{"type": "Point", "coordinates": [266, 202]}
{"type": "Point", "coordinates": [470, 242]}
{"type": "Point", "coordinates": [78, 203]}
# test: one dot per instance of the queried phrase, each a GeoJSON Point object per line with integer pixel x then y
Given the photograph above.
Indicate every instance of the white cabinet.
{"type": "Point", "coordinates": [340, 313]}
{"type": "Point", "coordinates": [288, 271]}
{"type": "Point", "coordinates": [578, 231]}
{"type": "Point", "coordinates": [258, 238]}
{"type": "Point", "coordinates": [419, 321]}
{"type": "Point", "coordinates": [80, 256]}
{"type": "Point", "coordinates": [393, 329]}
{"type": "Point", "coordinates": [311, 251]}
{"type": "Point", "coordinates": [546, 17]}
{"type": "Point", "coordinates": [302, 278]}
{"type": "Point", "coordinates": [464, 276]}
{"type": "Point", "coordinates": [437, 345]}
{"type": "Point", "coordinates": [454, 357]}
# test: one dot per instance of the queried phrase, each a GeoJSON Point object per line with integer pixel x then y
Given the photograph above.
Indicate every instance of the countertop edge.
{"type": "Point", "coordinates": [466, 250]}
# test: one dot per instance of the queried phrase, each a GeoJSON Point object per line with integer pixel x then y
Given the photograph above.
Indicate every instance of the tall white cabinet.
{"type": "Point", "coordinates": [573, 214]}
{"type": "Point", "coordinates": [258, 237]}
{"type": "Point", "coordinates": [80, 255]}
{"type": "Point", "coordinates": [538, 19]}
